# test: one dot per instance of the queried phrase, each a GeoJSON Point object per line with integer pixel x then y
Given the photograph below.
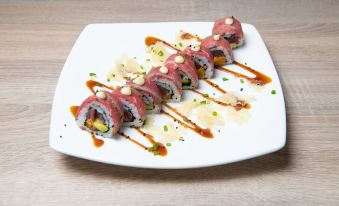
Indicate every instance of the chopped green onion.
{"type": "Point", "coordinates": [203, 102]}
{"type": "Point", "coordinates": [224, 79]}
{"type": "Point", "coordinates": [194, 100]}
{"type": "Point", "coordinates": [180, 44]}
{"type": "Point", "coordinates": [108, 80]}
{"type": "Point", "coordinates": [161, 53]}
{"type": "Point", "coordinates": [141, 67]}
{"type": "Point", "coordinates": [92, 74]}
{"type": "Point", "coordinates": [122, 65]}
{"type": "Point", "coordinates": [186, 120]}
{"type": "Point", "coordinates": [242, 81]}
{"type": "Point", "coordinates": [154, 147]}
{"type": "Point", "coordinates": [168, 144]}
{"type": "Point", "coordinates": [214, 113]}
{"type": "Point", "coordinates": [273, 92]}
{"type": "Point", "coordinates": [206, 95]}
{"type": "Point", "coordinates": [148, 60]}
{"type": "Point", "coordinates": [165, 128]}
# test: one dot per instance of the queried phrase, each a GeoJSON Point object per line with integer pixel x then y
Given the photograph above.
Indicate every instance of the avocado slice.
{"type": "Point", "coordinates": [186, 82]}
{"type": "Point", "coordinates": [99, 125]}
{"type": "Point", "coordinates": [149, 106]}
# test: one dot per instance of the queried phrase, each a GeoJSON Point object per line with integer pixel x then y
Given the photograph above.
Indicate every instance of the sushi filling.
{"type": "Point", "coordinates": [231, 38]}
{"type": "Point", "coordinates": [128, 115]}
{"type": "Point", "coordinates": [165, 90]}
{"type": "Point", "coordinates": [148, 101]}
{"type": "Point", "coordinates": [96, 120]}
{"type": "Point", "coordinates": [218, 56]}
{"type": "Point", "coordinates": [185, 80]}
{"type": "Point", "coordinates": [201, 66]}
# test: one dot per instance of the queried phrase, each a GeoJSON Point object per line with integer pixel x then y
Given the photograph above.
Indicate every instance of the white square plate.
{"type": "Point", "coordinates": [97, 48]}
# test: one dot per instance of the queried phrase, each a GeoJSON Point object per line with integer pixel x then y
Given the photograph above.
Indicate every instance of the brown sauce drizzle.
{"type": "Point", "coordinates": [190, 124]}
{"type": "Point", "coordinates": [132, 140]}
{"type": "Point", "coordinates": [259, 79]}
{"type": "Point", "coordinates": [152, 40]}
{"type": "Point", "coordinates": [159, 150]}
{"type": "Point", "coordinates": [217, 87]}
{"type": "Point", "coordinates": [91, 84]}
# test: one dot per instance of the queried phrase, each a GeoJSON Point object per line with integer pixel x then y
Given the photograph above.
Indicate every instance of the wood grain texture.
{"type": "Point", "coordinates": [302, 36]}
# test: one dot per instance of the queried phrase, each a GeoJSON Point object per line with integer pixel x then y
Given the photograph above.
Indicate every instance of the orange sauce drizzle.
{"type": "Point", "coordinates": [191, 36]}
{"type": "Point", "coordinates": [190, 124]}
{"type": "Point", "coordinates": [97, 142]}
{"type": "Point", "coordinates": [74, 110]}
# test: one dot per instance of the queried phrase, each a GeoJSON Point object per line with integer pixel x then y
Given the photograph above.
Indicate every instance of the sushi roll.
{"type": "Point", "coordinates": [203, 60]}
{"type": "Point", "coordinates": [186, 68]}
{"type": "Point", "coordinates": [134, 108]}
{"type": "Point", "coordinates": [168, 81]}
{"type": "Point", "coordinates": [100, 114]}
{"type": "Point", "coordinates": [230, 29]}
{"type": "Point", "coordinates": [220, 49]}
{"type": "Point", "coordinates": [149, 93]}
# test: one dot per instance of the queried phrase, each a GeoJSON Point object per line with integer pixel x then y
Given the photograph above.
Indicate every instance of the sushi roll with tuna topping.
{"type": "Point", "coordinates": [230, 29]}
{"type": "Point", "coordinates": [100, 114]}
{"type": "Point", "coordinates": [134, 108]}
{"type": "Point", "coordinates": [168, 81]}
{"type": "Point", "coordinates": [203, 60]}
{"type": "Point", "coordinates": [220, 49]}
{"type": "Point", "coordinates": [149, 93]}
{"type": "Point", "coordinates": [186, 68]}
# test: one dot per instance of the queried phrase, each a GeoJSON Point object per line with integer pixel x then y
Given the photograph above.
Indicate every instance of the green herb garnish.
{"type": "Point", "coordinates": [165, 128]}
{"type": "Point", "coordinates": [215, 113]}
{"type": "Point", "coordinates": [168, 144]}
{"type": "Point", "coordinates": [154, 147]}
{"type": "Point", "coordinates": [148, 60]}
{"type": "Point", "coordinates": [180, 44]}
{"type": "Point", "coordinates": [224, 79]}
{"type": "Point", "coordinates": [203, 102]}
{"type": "Point", "coordinates": [194, 100]}
{"type": "Point", "coordinates": [206, 95]}
{"type": "Point", "coordinates": [242, 81]}
{"type": "Point", "coordinates": [273, 92]}
{"type": "Point", "coordinates": [161, 53]}
{"type": "Point", "coordinates": [122, 65]}
{"type": "Point", "coordinates": [92, 74]}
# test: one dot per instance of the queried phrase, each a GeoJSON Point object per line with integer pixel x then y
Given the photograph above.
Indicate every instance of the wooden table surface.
{"type": "Point", "coordinates": [303, 39]}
